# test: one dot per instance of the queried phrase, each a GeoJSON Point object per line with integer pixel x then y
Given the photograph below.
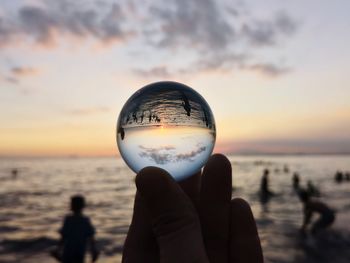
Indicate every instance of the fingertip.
{"type": "Point", "coordinates": [217, 179]}
{"type": "Point", "coordinates": [150, 177]}
{"type": "Point", "coordinates": [242, 217]}
{"type": "Point", "coordinates": [241, 205]}
{"type": "Point", "coordinates": [244, 242]}
{"type": "Point", "coordinates": [219, 159]}
{"type": "Point", "coordinates": [219, 165]}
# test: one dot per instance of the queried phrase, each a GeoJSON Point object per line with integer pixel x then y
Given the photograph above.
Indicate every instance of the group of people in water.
{"type": "Point", "coordinates": [77, 232]}
{"type": "Point", "coordinates": [342, 176]}
{"type": "Point", "coordinates": [308, 197]}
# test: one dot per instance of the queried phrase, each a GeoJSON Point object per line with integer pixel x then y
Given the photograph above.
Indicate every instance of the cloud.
{"type": "Point", "coordinates": [268, 69]}
{"type": "Point", "coordinates": [53, 20]}
{"type": "Point", "coordinates": [193, 24]}
{"type": "Point", "coordinates": [207, 34]}
{"type": "Point", "coordinates": [24, 71]}
{"type": "Point", "coordinates": [218, 37]}
{"type": "Point", "coordinates": [160, 155]}
{"type": "Point", "coordinates": [159, 72]}
{"type": "Point", "coordinates": [89, 111]}
{"type": "Point", "coordinates": [15, 74]}
{"type": "Point", "coordinates": [222, 61]}
{"type": "Point", "coordinates": [267, 32]}
{"type": "Point", "coordinates": [5, 32]}
{"type": "Point", "coordinates": [189, 156]}
{"type": "Point", "coordinates": [38, 23]}
{"type": "Point", "coordinates": [167, 154]}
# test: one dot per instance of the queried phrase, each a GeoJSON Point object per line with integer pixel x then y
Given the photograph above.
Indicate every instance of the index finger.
{"type": "Point", "coordinates": [244, 239]}
{"type": "Point", "coordinates": [214, 208]}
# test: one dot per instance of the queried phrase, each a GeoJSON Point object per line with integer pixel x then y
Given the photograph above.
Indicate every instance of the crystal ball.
{"type": "Point", "coordinates": [167, 125]}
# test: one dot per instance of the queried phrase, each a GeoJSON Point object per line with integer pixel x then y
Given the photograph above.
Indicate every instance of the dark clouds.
{"type": "Point", "coordinates": [268, 32]}
{"type": "Point", "coordinates": [37, 22]}
{"type": "Point", "coordinates": [222, 37]}
{"type": "Point", "coordinates": [197, 24]}
{"type": "Point", "coordinates": [212, 35]}
{"type": "Point", "coordinates": [53, 20]}
{"type": "Point", "coordinates": [166, 154]}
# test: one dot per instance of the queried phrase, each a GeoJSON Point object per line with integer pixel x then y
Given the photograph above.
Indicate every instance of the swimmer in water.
{"type": "Point", "coordinates": [312, 189]}
{"type": "Point", "coordinates": [265, 193]}
{"type": "Point", "coordinates": [296, 181]}
{"type": "Point", "coordinates": [310, 207]}
{"type": "Point", "coordinates": [338, 177]}
{"type": "Point", "coordinates": [264, 187]}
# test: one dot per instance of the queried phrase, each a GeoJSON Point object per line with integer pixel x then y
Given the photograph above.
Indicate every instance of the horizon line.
{"type": "Point", "coordinates": [72, 156]}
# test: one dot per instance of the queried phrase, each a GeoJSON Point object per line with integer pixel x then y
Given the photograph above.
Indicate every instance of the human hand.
{"type": "Point", "coordinates": [197, 222]}
{"type": "Point", "coordinates": [94, 255]}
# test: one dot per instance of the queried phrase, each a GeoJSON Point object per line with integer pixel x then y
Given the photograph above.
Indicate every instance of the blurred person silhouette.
{"type": "Point", "coordinates": [312, 189]}
{"type": "Point", "coordinates": [77, 233]}
{"type": "Point", "coordinates": [310, 207]}
{"type": "Point", "coordinates": [347, 176]}
{"type": "Point", "coordinates": [296, 181]}
{"type": "Point", "coordinates": [265, 192]}
{"type": "Point", "coordinates": [194, 220]}
{"type": "Point", "coordinates": [338, 177]}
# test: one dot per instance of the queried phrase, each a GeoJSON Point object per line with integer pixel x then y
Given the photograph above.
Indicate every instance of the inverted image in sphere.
{"type": "Point", "coordinates": [167, 125]}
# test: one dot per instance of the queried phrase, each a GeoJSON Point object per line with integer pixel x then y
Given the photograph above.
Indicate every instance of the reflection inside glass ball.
{"type": "Point", "coordinates": [167, 125]}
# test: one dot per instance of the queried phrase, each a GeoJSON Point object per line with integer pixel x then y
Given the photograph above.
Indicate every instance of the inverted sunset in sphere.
{"type": "Point", "coordinates": [167, 125]}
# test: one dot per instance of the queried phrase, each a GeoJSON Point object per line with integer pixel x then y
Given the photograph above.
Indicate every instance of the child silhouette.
{"type": "Point", "coordinates": [77, 233]}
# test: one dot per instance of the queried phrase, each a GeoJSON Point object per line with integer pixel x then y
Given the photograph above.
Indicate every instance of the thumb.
{"type": "Point", "coordinates": [174, 220]}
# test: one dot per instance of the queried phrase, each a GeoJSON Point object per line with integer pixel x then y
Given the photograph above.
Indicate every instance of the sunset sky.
{"type": "Point", "coordinates": [275, 73]}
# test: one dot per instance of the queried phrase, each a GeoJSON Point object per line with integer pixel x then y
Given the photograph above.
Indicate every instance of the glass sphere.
{"type": "Point", "coordinates": [167, 125]}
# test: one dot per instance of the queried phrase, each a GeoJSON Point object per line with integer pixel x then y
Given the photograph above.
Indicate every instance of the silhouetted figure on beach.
{"type": "Point", "coordinates": [338, 177]}
{"type": "Point", "coordinates": [77, 233]}
{"type": "Point", "coordinates": [286, 168]}
{"type": "Point", "coordinates": [265, 192]}
{"type": "Point", "coordinates": [186, 104]}
{"type": "Point", "coordinates": [310, 207]}
{"type": "Point", "coordinates": [296, 180]}
{"type": "Point", "coordinates": [347, 176]}
{"type": "Point", "coordinates": [134, 117]}
{"type": "Point", "coordinates": [312, 189]}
